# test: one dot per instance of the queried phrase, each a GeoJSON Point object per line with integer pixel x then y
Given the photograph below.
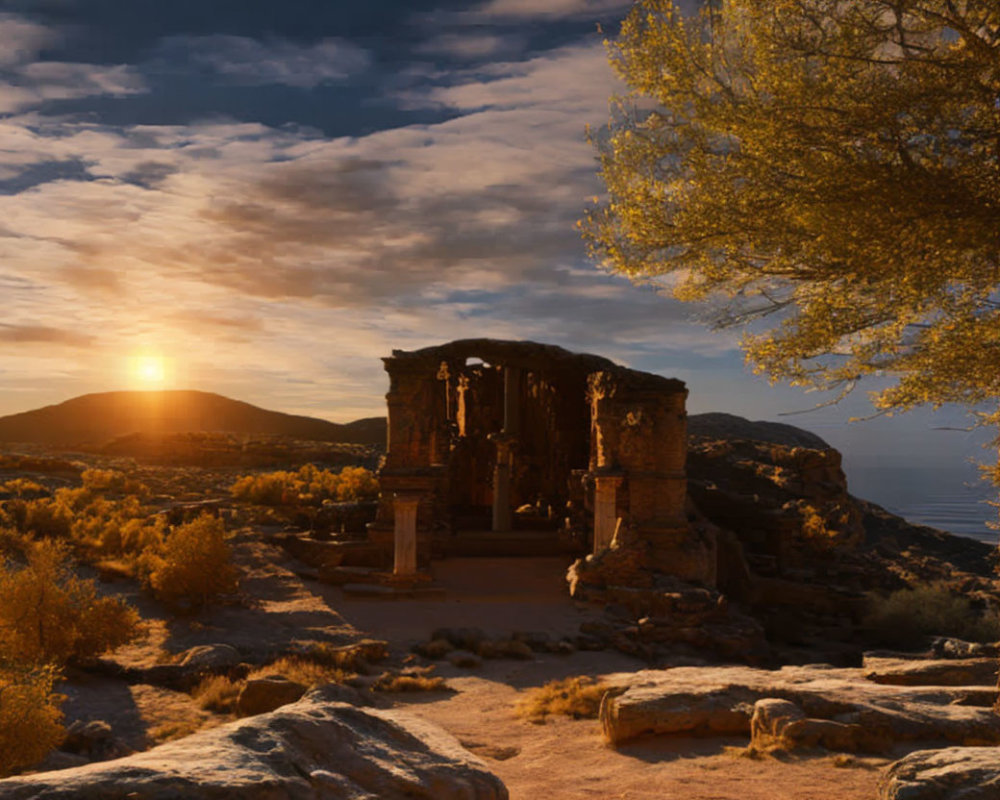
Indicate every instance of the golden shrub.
{"type": "Point", "coordinates": [23, 487]}
{"type": "Point", "coordinates": [48, 615]}
{"type": "Point", "coordinates": [578, 697]}
{"type": "Point", "coordinates": [308, 486]}
{"type": "Point", "coordinates": [44, 516]}
{"type": "Point", "coordinates": [194, 565]}
{"type": "Point", "coordinates": [30, 718]}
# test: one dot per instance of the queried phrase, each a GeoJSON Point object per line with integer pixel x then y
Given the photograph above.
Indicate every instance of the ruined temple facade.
{"type": "Point", "coordinates": [519, 448]}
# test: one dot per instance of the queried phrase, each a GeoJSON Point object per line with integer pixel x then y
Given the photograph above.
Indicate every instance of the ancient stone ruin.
{"type": "Point", "coordinates": [518, 448]}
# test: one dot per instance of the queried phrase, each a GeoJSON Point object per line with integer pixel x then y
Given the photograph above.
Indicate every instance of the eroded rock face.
{"type": "Point", "coordinates": [954, 773]}
{"type": "Point", "coordinates": [823, 706]}
{"type": "Point", "coordinates": [316, 748]}
{"type": "Point", "coordinates": [929, 672]}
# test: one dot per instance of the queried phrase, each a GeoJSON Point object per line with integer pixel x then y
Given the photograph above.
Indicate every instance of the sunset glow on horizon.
{"type": "Point", "coordinates": [148, 371]}
{"type": "Point", "coordinates": [265, 207]}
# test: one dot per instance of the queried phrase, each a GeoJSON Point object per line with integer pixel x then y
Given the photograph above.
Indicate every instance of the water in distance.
{"type": "Point", "coordinates": [947, 499]}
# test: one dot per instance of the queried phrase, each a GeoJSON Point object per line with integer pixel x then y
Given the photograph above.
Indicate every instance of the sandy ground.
{"type": "Point", "coordinates": [566, 759]}
{"type": "Point", "coordinates": [558, 760]}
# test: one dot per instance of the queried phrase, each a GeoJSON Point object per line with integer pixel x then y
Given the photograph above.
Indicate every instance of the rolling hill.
{"type": "Point", "coordinates": [96, 418]}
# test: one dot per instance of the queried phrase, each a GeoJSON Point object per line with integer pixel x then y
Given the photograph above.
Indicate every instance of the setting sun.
{"type": "Point", "coordinates": [149, 370]}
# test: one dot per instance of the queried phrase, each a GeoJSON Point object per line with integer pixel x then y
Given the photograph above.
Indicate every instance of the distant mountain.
{"type": "Point", "coordinates": [96, 418]}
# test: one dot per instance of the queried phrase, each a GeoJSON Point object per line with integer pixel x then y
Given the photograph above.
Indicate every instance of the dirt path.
{"type": "Point", "coordinates": [567, 759]}
{"type": "Point", "coordinates": [562, 759]}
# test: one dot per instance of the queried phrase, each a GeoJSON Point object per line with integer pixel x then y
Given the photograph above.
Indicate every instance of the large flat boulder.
{"type": "Point", "coordinates": [868, 716]}
{"type": "Point", "coordinates": [317, 748]}
{"type": "Point", "coordinates": [932, 672]}
{"type": "Point", "coordinates": [954, 773]}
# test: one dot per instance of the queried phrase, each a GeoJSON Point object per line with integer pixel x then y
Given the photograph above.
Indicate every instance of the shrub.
{"type": "Point", "coordinates": [30, 718]}
{"type": "Point", "coordinates": [48, 615]}
{"type": "Point", "coordinates": [111, 480]}
{"type": "Point", "coordinates": [907, 616]}
{"type": "Point", "coordinates": [579, 698]}
{"type": "Point", "coordinates": [22, 487]}
{"type": "Point", "coordinates": [14, 543]}
{"type": "Point", "coordinates": [193, 566]}
{"type": "Point", "coordinates": [357, 483]}
{"type": "Point", "coordinates": [49, 517]}
{"type": "Point", "coordinates": [308, 486]}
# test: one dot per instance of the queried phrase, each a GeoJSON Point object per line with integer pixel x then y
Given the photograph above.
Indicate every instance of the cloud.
{"type": "Point", "coordinates": [471, 46]}
{"type": "Point", "coordinates": [187, 238]}
{"type": "Point", "coordinates": [59, 80]}
{"type": "Point", "coordinates": [550, 9]}
{"type": "Point", "coordinates": [21, 40]}
{"type": "Point", "coordinates": [251, 62]}
{"type": "Point", "coordinates": [43, 334]}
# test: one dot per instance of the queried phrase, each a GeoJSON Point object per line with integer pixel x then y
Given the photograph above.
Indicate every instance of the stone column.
{"type": "Point", "coordinates": [404, 506]}
{"type": "Point", "coordinates": [511, 400]}
{"type": "Point", "coordinates": [501, 485]}
{"type": "Point", "coordinates": [605, 510]}
{"type": "Point", "coordinates": [505, 448]}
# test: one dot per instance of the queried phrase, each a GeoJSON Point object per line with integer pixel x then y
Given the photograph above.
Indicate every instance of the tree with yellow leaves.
{"type": "Point", "coordinates": [832, 165]}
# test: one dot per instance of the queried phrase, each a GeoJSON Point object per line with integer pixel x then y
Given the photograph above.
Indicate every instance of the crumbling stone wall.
{"type": "Point", "coordinates": [461, 412]}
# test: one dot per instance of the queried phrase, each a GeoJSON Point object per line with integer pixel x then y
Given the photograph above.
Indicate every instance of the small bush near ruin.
{"type": "Point", "coordinates": [308, 486]}
{"type": "Point", "coordinates": [907, 616]}
{"type": "Point", "coordinates": [50, 616]}
{"type": "Point", "coordinates": [579, 698]}
{"type": "Point", "coordinates": [192, 568]}
{"type": "Point", "coordinates": [30, 719]}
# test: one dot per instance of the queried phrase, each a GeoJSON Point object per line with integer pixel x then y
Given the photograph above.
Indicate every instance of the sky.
{"type": "Point", "coordinates": [263, 198]}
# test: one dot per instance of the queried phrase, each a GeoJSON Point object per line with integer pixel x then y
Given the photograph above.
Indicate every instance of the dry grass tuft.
{"type": "Point", "coordinates": [217, 693]}
{"type": "Point", "coordinates": [394, 682]}
{"type": "Point", "coordinates": [302, 670]}
{"type": "Point", "coordinates": [578, 697]}
{"type": "Point", "coordinates": [176, 729]}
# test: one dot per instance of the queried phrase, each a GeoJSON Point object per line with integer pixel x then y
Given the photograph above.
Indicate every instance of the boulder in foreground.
{"type": "Point", "coordinates": [955, 773]}
{"type": "Point", "coordinates": [821, 706]}
{"type": "Point", "coordinates": [317, 748]}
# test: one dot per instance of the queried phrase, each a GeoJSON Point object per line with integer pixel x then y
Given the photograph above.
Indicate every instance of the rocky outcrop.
{"type": "Point", "coordinates": [660, 611]}
{"type": "Point", "coordinates": [955, 773]}
{"type": "Point", "coordinates": [932, 672]}
{"type": "Point", "coordinates": [821, 706]}
{"type": "Point", "coordinates": [260, 695]}
{"type": "Point", "coordinates": [317, 748]}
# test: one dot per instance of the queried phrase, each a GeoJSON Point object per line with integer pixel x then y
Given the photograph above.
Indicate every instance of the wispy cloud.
{"type": "Point", "coordinates": [550, 9]}
{"type": "Point", "coordinates": [239, 247]}
{"type": "Point", "coordinates": [43, 334]}
{"type": "Point", "coordinates": [242, 60]}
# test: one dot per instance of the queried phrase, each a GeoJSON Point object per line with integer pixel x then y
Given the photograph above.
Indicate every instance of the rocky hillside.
{"type": "Point", "coordinates": [797, 548]}
{"type": "Point", "coordinates": [94, 419]}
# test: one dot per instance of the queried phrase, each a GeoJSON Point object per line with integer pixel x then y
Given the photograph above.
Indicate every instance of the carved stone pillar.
{"type": "Point", "coordinates": [605, 510]}
{"type": "Point", "coordinates": [501, 484]}
{"type": "Point", "coordinates": [404, 506]}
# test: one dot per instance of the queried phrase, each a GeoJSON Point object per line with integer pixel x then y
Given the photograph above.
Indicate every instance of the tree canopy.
{"type": "Point", "coordinates": [834, 164]}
